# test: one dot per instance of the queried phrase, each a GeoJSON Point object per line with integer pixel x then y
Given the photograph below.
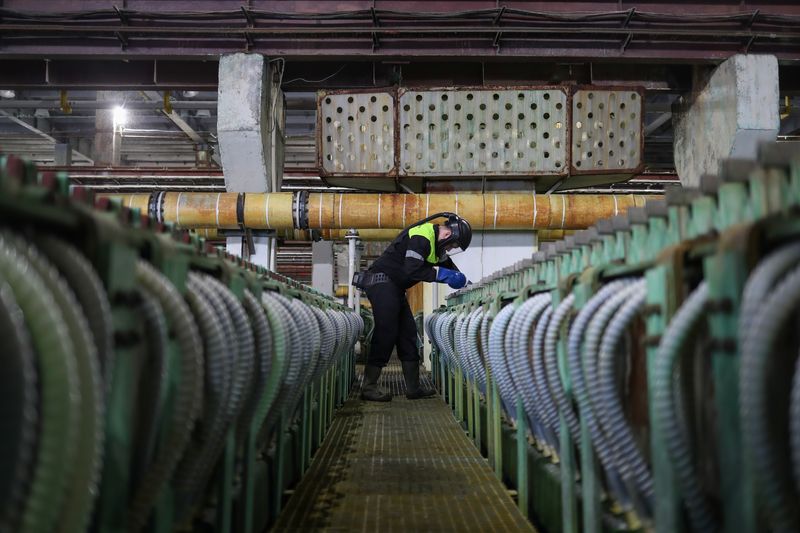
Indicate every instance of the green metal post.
{"type": "Point", "coordinates": [662, 293]}
{"type": "Point", "coordinates": [226, 483]}
{"type": "Point", "coordinates": [522, 459]}
{"type": "Point", "coordinates": [726, 274]}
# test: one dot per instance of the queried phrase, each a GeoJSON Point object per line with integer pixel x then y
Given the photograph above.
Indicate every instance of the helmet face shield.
{"type": "Point", "coordinates": [459, 239]}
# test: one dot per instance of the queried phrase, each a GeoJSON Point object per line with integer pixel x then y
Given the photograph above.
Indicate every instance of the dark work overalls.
{"type": "Point", "coordinates": [409, 259]}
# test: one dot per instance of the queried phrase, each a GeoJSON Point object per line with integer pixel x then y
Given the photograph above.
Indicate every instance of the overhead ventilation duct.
{"type": "Point", "coordinates": [570, 136]}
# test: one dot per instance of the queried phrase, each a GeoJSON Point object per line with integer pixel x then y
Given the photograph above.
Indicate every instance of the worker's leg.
{"type": "Point", "coordinates": [408, 353]}
{"type": "Point", "coordinates": [386, 301]}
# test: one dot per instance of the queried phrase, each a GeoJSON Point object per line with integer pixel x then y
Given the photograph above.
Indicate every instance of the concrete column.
{"type": "Point", "coordinates": [245, 129]}
{"type": "Point", "coordinates": [243, 122]}
{"type": "Point", "coordinates": [63, 154]}
{"type": "Point", "coordinates": [728, 114]}
{"type": "Point", "coordinates": [85, 146]}
{"type": "Point", "coordinates": [322, 266]}
{"type": "Point", "coordinates": [107, 143]}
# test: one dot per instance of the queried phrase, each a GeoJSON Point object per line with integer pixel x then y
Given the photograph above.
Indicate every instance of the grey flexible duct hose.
{"type": "Point", "coordinates": [575, 343]}
{"type": "Point", "coordinates": [511, 358]}
{"type": "Point", "coordinates": [672, 342]}
{"type": "Point", "coordinates": [309, 321]}
{"type": "Point", "coordinates": [486, 324]}
{"type": "Point", "coordinates": [339, 334]}
{"type": "Point", "coordinates": [632, 465]}
{"type": "Point", "coordinates": [766, 445]}
{"type": "Point", "coordinates": [233, 385]}
{"type": "Point", "coordinates": [543, 392]}
{"type": "Point", "coordinates": [306, 320]}
{"type": "Point", "coordinates": [195, 467]}
{"type": "Point", "coordinates": [270, 403]}
{"type": "Point", "coordinates": [761, 282]}
{"type": "Point", "coordinates": [59, 384]}
{"type": "Point", "coordinates": [470, 346]}
{"type": "Point", "coordinates": [458, 318]}
{"type": "Point", "coordinates": [440, 323]}
{"type": "Point", "coordinates": [19, 418]}
{"type": "Point", "coordinates": [296, 351]}
{"type": "Point", "coordinates": [458, 342]}
{"type": "Point", "coordinates": [188, 395]}
{"type": "Point", "coordinates": [152, 384]}
{"type": "Point", "coordinates": [426, 324]}
{"type": "Point", "coordinates": [292, 373]}
{"type": "Point", "coordinates": [519, 349]}
{"type": "Point", "coordinates": [243, 374]}
{"type": "Point", "coordinates": [445, 338]}
{"type": "Point", "coordinates": [89, 290]}
{"type": "Point", "coordinates": [327, 341]}
{"type": "Point", "coordinates": [551, 364]}
{"type": "Point", "coordinates": [461, 363]}
{"type": "Point", "coordinates": [430, 325]}
{"type": "Point", "coordinates": [473, 345]}
{"type": "Point", "coordinates": [496, 356]}
{"type": "Point", "coordinates": [263, 359]}
{"type": "Point", "coordinates": [82, 488]}
{"type": "Point", "coordinates": [524, 369]}
{"type": "Point", "coordinates": [449, 339]}
{"type": "Point", "coordinates": [300, 347]}
{"type": "Point", "coordinates": [591, 351]}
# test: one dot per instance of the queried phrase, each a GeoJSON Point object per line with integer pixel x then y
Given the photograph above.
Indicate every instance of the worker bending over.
{"type": "Point", "coordinates": [419, 253]}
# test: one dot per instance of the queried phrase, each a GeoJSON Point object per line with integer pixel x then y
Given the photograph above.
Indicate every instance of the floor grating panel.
{"type": "Point", "coordinates": [399, 466]}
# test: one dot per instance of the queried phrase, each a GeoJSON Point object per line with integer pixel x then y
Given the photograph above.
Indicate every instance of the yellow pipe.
{"type": "Point", "coordinates": [490, 211]}
{"type": "Point", "coordinates": [131, 201]}
{"type": "Point", "coordinates": [501, 211]}
{"type": "Point", "coordinates": [370, 235]}
{"type": "Point", "coordinates": [268, 210]}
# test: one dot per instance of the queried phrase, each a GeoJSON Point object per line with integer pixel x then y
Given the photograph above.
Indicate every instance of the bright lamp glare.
{"type": "Point", "coordinates": [120, 116]}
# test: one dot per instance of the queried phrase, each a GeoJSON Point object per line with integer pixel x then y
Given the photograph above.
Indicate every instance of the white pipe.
{"type": "Point", "coordinates": [352, 241]}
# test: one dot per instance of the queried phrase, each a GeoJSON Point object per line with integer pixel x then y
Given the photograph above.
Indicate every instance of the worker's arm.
{"type": "Point", "coordinates": [448, 263]}
{"type": "Point", "coordinates": [414, 265]}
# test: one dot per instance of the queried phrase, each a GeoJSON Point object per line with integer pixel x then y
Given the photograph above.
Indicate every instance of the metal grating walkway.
{"type": "Point", "coordinates": [399, 466]}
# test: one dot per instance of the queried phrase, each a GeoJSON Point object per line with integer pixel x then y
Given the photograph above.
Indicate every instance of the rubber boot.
{"type": "Point", "coordinates": [413, 389]}
{"type": "Point", "coordinates": [369, 388]}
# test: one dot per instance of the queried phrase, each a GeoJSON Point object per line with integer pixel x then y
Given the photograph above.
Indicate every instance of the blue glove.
{"type": "Point", "coordinates": [454, 279]}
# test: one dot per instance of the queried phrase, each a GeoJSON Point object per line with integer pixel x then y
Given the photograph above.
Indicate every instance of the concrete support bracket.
{"type": "Point", "coordinates": [728, 115]}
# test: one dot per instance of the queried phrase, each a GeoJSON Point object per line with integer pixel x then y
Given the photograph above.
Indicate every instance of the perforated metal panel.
{"type": "Point", "coordinates": [607, 131]}
{"type": "Point", "coordinates": [483, 132]}
{"type": "Point", "coordinates": [357, 133]}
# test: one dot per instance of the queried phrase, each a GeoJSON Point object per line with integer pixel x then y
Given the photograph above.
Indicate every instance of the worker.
{"type": "Point", "coordinates": [419, 253]}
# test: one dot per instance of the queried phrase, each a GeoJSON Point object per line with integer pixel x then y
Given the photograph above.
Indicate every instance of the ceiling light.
{"type": "Point", "coordinates": [7, 93]}
{"type": "Point", "coordinates": [120, 116]}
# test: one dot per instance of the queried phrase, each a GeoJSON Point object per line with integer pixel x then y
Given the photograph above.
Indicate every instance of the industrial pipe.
{"type": "Point", "coordinates": [501, 211]}
{"type": "Point", "coordinates": [367, 235]}
{"type": "Point", "coordinates": [490, 211]}
{"type": "Point", "coordinates": [352, 242]}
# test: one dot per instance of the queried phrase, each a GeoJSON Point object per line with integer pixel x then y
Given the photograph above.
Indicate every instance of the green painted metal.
{"type": "Point", "coordinates": [522, 459]}
{"type": "Point", "coordinates": [717, 234]}
{"type": "Point", "coordinates": [114, 239]}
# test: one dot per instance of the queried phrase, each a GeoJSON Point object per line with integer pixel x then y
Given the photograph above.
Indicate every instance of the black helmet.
{"type": "Point", "coordinates": [459, 239]}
